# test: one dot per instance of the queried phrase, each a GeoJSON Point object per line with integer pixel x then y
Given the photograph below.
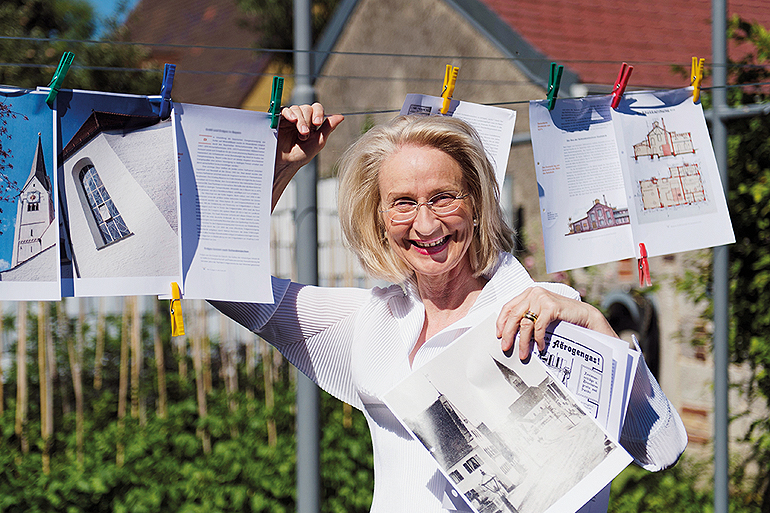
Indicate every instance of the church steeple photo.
{"type": "Point", "coordinates": [34, 212]}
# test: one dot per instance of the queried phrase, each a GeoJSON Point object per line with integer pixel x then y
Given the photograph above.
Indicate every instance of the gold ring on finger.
{"type": "Point", "coordinates": [532, 316]}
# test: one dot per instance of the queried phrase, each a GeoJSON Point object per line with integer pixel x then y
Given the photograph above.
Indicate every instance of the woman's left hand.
{"type": "Point", "coordinates": [530, 313]}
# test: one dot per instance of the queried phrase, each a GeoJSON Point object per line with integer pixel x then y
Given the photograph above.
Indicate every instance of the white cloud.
{"type": "Point", "coordinates": [4, 265]}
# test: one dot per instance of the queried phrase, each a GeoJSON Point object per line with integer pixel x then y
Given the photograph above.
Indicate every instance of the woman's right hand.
{"type": "Point", "coordinates": [302, 133]}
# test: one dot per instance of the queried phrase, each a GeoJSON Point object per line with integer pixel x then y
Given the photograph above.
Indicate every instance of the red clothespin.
{"type": "Point", "coordinates": [620, 84]}
{"type": "Point", "coordinates": [696, 77]}
{"type": "Point", "coordinates": [450, 78]}
{"type": "Point", "coordinates": [644, 267]}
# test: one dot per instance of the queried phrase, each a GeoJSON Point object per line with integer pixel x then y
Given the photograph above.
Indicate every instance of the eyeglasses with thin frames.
{"type": "Point", "coordinates": [442, 204]}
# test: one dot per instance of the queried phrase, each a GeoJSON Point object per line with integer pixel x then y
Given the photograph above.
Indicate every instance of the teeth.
{"type": "Point", "coordinates": [430, 244]}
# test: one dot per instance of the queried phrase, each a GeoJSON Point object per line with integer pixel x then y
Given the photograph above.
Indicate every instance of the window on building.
{"type": "Point", "coordinates": [472, 494]}
{"type": "Point", "coordinates": [471, 464]}
{"type": "Point", "coordinates": [456, 476]}
{"type": "Point", "coordinates": [106, 215]}
{"type": "Point", "coordinates": [32, 207]}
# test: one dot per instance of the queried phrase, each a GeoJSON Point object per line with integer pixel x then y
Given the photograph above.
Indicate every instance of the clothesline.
{"type": "Point", "coordinates": [363, 54]}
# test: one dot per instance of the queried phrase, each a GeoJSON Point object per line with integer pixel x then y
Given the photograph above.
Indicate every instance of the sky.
{"type": "Point", "coordinates": [22, 144]}
{"type": "Point", "coordinates": [106, 8]}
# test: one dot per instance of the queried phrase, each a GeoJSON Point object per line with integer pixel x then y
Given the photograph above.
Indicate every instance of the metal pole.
{"type": "Point", "coordinates": [721, 261]}
{"type": "Point", "coordinates": [308, 479]}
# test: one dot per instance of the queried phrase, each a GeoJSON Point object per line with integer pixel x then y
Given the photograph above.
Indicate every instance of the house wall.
{"type": "Point", "coordinates": [152, 249]}
{"type": "Point", "coordinates": [433, 28]}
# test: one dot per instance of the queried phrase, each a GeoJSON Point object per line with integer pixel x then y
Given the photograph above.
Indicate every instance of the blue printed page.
{"type": "Point", "coordinates": [583, 205]}
{"type": "Point", "coordinates": [29, 223]}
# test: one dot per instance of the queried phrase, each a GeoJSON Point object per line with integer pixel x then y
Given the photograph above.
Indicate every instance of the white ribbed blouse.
{"type": "Point", "coordinates": [355, 344]}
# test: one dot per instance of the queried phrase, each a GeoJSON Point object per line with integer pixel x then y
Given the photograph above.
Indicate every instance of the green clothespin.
{"type": "Point", "coordinates": [58, 77]}
{"type": "Point", "coordinates": [275, 101]}
{"type": "Point", "coordinates": [553, 84]}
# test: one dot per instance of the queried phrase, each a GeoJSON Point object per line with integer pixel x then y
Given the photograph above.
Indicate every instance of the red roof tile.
{"type": "Point", "coordinates": [211, 76]}
{"type": "Point", "coordinates": [593, 37]}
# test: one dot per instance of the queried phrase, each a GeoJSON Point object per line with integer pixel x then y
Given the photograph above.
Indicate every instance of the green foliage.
{"type": "Point", "coordinates": [166, 469]}
{"type": "Point", "coordinates": [42, 25]}
{"type": "Point", "coordinates": [749, 204]}
{"type": "Point", "coordinates": [272, 21]}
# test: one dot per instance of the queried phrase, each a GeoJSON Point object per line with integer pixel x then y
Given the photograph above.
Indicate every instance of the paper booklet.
{"type": "Point", "coordinates": [147, 202]}
{"type": "Point", "coordinates": [609, 179]}
{"type": "Point", "coordinates": [493, 124]}
{"type": "Point", "coordinates": [225, 161]}
{"type": "Point", "coordinates": [510, 436]}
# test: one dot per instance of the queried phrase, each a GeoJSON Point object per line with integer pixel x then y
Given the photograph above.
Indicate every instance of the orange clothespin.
{"type": "Point", "coordinates": [175, 306]}
{"type": "Point", "coordinates": [644, 267]}
{"type": "Point", "coordinates": [450, 78]}
{"type": "Point", "coordinates": [696, 77]}
{"type": "Point", "coordinates": [620, 84]}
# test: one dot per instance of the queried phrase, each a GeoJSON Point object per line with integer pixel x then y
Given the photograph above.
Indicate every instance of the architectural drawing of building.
{"type": "Point", "coordinates": [121, 197]}
{"type": "Point", "coordinates": [684, 186]}
{"type": "Point", "coordinates": [662, 143]}
{"type": "Point", "coordinates": [600, 215]}
{"type": "Point", "coordinates": [34, 241]}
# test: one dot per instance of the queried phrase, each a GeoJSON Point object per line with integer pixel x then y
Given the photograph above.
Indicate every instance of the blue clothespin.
{"type": "Point", "coordinates": [450, 79]}
{"type": "Point", "coordinates": [620, 84]}
{"type": "Point", "coordinates": [58, 77]}
{"type": "Point", "coordinates": [165, 90]}
{"type": "Point", "coordinates": [553, 84]}
{"type": "Point", "coordinates": [275, 101]}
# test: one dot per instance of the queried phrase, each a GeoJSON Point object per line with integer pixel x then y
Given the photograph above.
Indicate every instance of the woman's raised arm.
{"type": "Point", "coordinates": [302, 133]}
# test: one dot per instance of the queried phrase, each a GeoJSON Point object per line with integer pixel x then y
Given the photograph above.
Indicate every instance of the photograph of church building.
{"type": "Point", "coordinates": [120, 189]}
{"type": "Point", "coordinates": [34, 243]}
{"type": "Point", "coordinates": [29, 229]}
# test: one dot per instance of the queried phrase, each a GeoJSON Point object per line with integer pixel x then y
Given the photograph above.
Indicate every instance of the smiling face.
{"type": "Point", "coordinates": [435, 247]}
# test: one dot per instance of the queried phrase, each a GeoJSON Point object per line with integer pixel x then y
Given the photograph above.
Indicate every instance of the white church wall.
{"type": "Point", "coordinates": [152, 247]}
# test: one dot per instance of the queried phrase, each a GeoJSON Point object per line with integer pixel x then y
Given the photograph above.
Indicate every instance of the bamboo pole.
{"type": "Point", "coordinates": [123, 385]}
{"type": "Point", "coordinates": [251, 364]}
{"type": "Point", "coordinates": [197, 349]}
{"type": "Point", "coordinates": [137, 401]}
{"type": "Point", "coordinates": [75, 352]}
{"type": "Point", "coordinates": [21, 376]}
{"type": "Point", "coordinates": [205, 347]}
{"type": "Point", "coordinates": [99, 353]}
{"type": "Point", "coordinates": [45, 429]}
{"type": "Point", "coordinates": [160, 365]}
{"type": "Point", "coordinates": [268, 376]}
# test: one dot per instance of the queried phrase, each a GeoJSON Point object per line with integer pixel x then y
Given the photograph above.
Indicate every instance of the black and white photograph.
{"type": "Point", "coordinates": [508, 436]}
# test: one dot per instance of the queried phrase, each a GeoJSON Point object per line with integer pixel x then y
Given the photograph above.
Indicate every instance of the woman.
{"type": "Point", "coordinates": [418, 204]}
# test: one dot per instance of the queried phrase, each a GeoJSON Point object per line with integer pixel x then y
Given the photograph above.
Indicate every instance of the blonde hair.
{"type": "Point", "coordinates": [359, 201]}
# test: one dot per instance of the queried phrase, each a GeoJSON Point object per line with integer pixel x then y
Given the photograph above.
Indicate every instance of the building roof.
{"type": "Point", "coordinates": [591, 38]}
{"type": "Point", "coordinates": [201, 38]}
{"type": "Point", "coordinates": [594, 36]}
{"type": "Point", "coordinates": [38, 167]}
{"type": "Point", "coordinates": [99, 122]}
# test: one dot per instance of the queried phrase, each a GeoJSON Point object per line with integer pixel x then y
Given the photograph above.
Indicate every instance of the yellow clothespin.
{"type": "Point", "coordinates": [175, 305]}
{"type": "Point", "coordinates": [450, 78]}
{"type": "Point", "coordinates": [696, 77]}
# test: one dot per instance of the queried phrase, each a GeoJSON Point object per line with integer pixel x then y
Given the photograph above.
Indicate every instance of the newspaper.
{"type": "Point", "coordinates": [493, 124]}
{"type": "Point", "coordinates": [578, 357]}
{"type": "Point", "coordinates": [609, 179]}
{"type": "Point", "coordinates": [508, 435]}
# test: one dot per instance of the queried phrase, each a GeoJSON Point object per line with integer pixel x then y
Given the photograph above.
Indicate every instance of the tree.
{"type": "Point", "coordinates": [40, 31]}
{"type": "Point", "coordinates": [749, 295]}
{"type": "Point", "coordinates": [272, 21]}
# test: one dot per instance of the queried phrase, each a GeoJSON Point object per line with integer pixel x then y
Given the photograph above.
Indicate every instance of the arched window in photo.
{"type": "Point", "coordinates": [106, 215]}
